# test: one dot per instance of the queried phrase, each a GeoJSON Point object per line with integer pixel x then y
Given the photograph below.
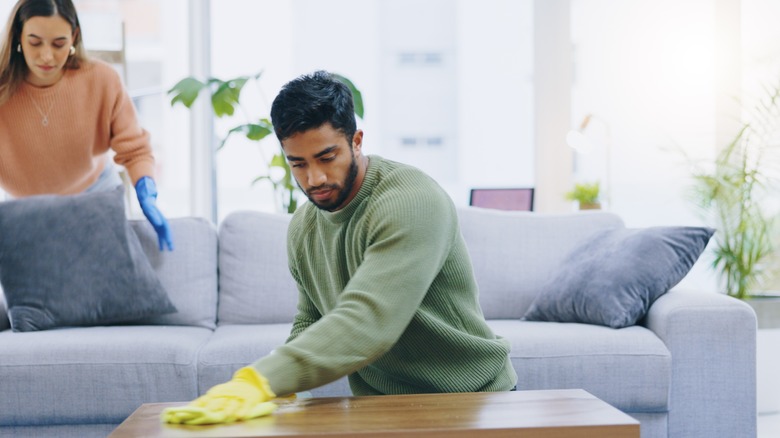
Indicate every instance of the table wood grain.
{"type": "Point", "coordinates": [570, 413]}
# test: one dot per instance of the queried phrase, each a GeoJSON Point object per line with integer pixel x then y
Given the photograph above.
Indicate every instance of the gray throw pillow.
{"type": "Point", "coordinates": [74, 261]}
{"type": "Point", "coordinates": [614, 276]}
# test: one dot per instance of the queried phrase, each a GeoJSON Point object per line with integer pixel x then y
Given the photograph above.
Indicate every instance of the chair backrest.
{"type": "Point", "coordinates": [521, 199]}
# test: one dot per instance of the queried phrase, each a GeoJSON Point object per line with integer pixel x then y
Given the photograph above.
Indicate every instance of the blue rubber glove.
{"type": "Point", "coordinates": [147, 197]}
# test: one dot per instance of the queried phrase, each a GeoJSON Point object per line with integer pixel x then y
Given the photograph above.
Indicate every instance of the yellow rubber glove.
{"type": "Point", "coordinates": [244, 397]}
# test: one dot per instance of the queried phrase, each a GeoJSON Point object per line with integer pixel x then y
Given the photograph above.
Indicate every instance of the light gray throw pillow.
{"type": "Point", "coordinates": [74, 261]}
{"type": "Point", "coordinates": [614, 276]}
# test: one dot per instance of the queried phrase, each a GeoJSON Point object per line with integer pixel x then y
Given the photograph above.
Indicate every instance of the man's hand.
{"type": "Point", "coordinates": [147, 198]}
{"type": "Point", "coordinates": [244, 397]}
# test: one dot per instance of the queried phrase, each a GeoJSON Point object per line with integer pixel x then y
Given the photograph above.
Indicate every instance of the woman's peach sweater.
{"type": "Point", "coordinates": [88, 112]}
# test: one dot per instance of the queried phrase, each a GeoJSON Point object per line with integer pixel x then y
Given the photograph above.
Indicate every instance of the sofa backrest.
{"type": "Point", "coordinates": [515, 252]}
{"type": "Point", "coordinates": [255, 285]}
{"type": "Point", "coordinates": [188, 273]}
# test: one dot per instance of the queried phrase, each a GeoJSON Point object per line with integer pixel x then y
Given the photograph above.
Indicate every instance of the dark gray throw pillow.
{"type": "Point", "coordinates": [74, 261]}
{"type": "Point", "coordinates": [614, 276]}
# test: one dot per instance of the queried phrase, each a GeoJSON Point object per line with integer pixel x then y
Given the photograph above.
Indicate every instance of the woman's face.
{"type": "Point", "coordinates": [46, 43]}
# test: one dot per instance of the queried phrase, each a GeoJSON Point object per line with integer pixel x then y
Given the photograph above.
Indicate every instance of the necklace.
{"type": "Point", "coordinates": [44, 115]}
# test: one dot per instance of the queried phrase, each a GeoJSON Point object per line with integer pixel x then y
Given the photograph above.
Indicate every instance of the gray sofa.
{"type": "Point", "coordinates": [687, 370]}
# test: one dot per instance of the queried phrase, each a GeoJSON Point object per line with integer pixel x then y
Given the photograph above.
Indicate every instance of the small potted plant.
{"type": "Point", "coordinates": [586, 195]}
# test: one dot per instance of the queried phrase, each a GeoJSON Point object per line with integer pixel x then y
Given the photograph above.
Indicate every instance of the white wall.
{"type": "Point", "coordinates": [495, 96]}
{"type": "Point", "coordinates": [645, 69]}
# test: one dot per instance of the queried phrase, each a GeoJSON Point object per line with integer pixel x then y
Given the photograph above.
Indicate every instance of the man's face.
{"type": "Point", "coordinates": [327, 167]}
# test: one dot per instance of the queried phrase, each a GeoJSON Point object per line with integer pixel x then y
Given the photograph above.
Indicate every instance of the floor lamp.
{"type": "Point", "coordinates": [577, 140]}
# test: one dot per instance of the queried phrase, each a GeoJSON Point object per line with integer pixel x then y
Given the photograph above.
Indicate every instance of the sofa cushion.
{"type": "Point", "coordinates": [614, 276]}
{"type": "Point", "coordinates": [95, 374]}
{"type": "Point", "coordinates": [234, 346]}
{"type": "Point", "coordinates": [188, 273]}
{"type": "Point", "coordinates": [255, 284]}
{"type": "Point", "coordinates": [74, 261]}
{"type": "Point", "coordinates": [629, 368]}
{"type": "Point", "coordinates": [514, 253]}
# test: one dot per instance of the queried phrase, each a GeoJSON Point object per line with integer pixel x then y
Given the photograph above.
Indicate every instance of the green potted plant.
{"type": "Point", "coordinates": [225, 98]}
{"type": "Point", "coordinates": [586, 195]}
{"type": "Point", "coordinates": [731, 195]}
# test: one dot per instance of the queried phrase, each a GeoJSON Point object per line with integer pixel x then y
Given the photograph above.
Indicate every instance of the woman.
{"type": "Point", "coordinates": [60, 113]}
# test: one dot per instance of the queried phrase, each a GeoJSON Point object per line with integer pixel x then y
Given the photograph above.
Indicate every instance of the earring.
{"type": "Point", "coordinates": [72, 50]}
{"type": "Point", "coordinates": [19, 48]}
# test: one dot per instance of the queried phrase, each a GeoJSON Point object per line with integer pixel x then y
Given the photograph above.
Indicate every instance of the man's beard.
{"type": "Point", "coordinates": [346, 189]}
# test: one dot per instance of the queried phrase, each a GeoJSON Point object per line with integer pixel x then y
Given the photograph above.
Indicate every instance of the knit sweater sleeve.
{"type": "Point", "coordinates": [402, 242]}
{"type": "Point", "coordinates": [305, 316]}
{"type": "Point", "coordinates": [307, 313]}
{"type": "Point", "coordinates": [127, 138]}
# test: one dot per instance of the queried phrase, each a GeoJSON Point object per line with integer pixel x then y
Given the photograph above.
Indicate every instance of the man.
{"type": "Point", "coordinates": [387, 294]}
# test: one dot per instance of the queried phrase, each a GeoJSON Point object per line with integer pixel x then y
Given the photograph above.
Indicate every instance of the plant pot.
{"type": "Point", "coordinates": [590, 206]}
{"type": "Point", "coordinates": [767, 308]}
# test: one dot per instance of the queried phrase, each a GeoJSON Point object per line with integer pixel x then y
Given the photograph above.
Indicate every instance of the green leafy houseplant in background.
{"type": "Point", "coordinates": [732, 197]}
{"type": "Point", "coordinates": [225, 98]}
{"type": "Point", "coordinates": [586, 194]}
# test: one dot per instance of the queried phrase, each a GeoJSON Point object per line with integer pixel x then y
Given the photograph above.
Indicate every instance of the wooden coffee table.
{"type": "Point", "coordinates": [565, 413]}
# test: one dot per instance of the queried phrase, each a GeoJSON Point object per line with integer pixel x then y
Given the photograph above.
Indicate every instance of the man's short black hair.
{"type": "Point", "coordinates": [309, 101]}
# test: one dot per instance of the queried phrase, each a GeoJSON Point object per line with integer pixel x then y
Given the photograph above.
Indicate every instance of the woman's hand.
{"type": "Point", "coordinates": [147, 198]}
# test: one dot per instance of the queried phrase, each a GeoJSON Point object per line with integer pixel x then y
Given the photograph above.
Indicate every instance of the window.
{"type": "Point", "coordinates": [156, 49]}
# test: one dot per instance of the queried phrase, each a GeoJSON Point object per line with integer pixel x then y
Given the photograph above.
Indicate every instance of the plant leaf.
{"type": "Point", "coordinates": [257, 132]}
{"type": "Point", "coordinates": [278, 161]}
{"type": "Point", "coordinates": [226, 96]}
{"type": "Point", "coordinates": [357, 96]}
{"type": "Point", "coordinates": [266, 124]}
{"type": "Point", "coordinates": [252, 131]}
{"type": "Point", "coordinates": [186, 91]}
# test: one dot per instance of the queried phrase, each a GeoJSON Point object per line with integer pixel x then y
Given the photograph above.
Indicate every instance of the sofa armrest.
{"type": "Point", "coordinates": [712, 339]}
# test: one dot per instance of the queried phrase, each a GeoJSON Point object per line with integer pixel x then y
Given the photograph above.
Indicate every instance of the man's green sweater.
{"type": "Point", "coordinates": [387, 296]}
